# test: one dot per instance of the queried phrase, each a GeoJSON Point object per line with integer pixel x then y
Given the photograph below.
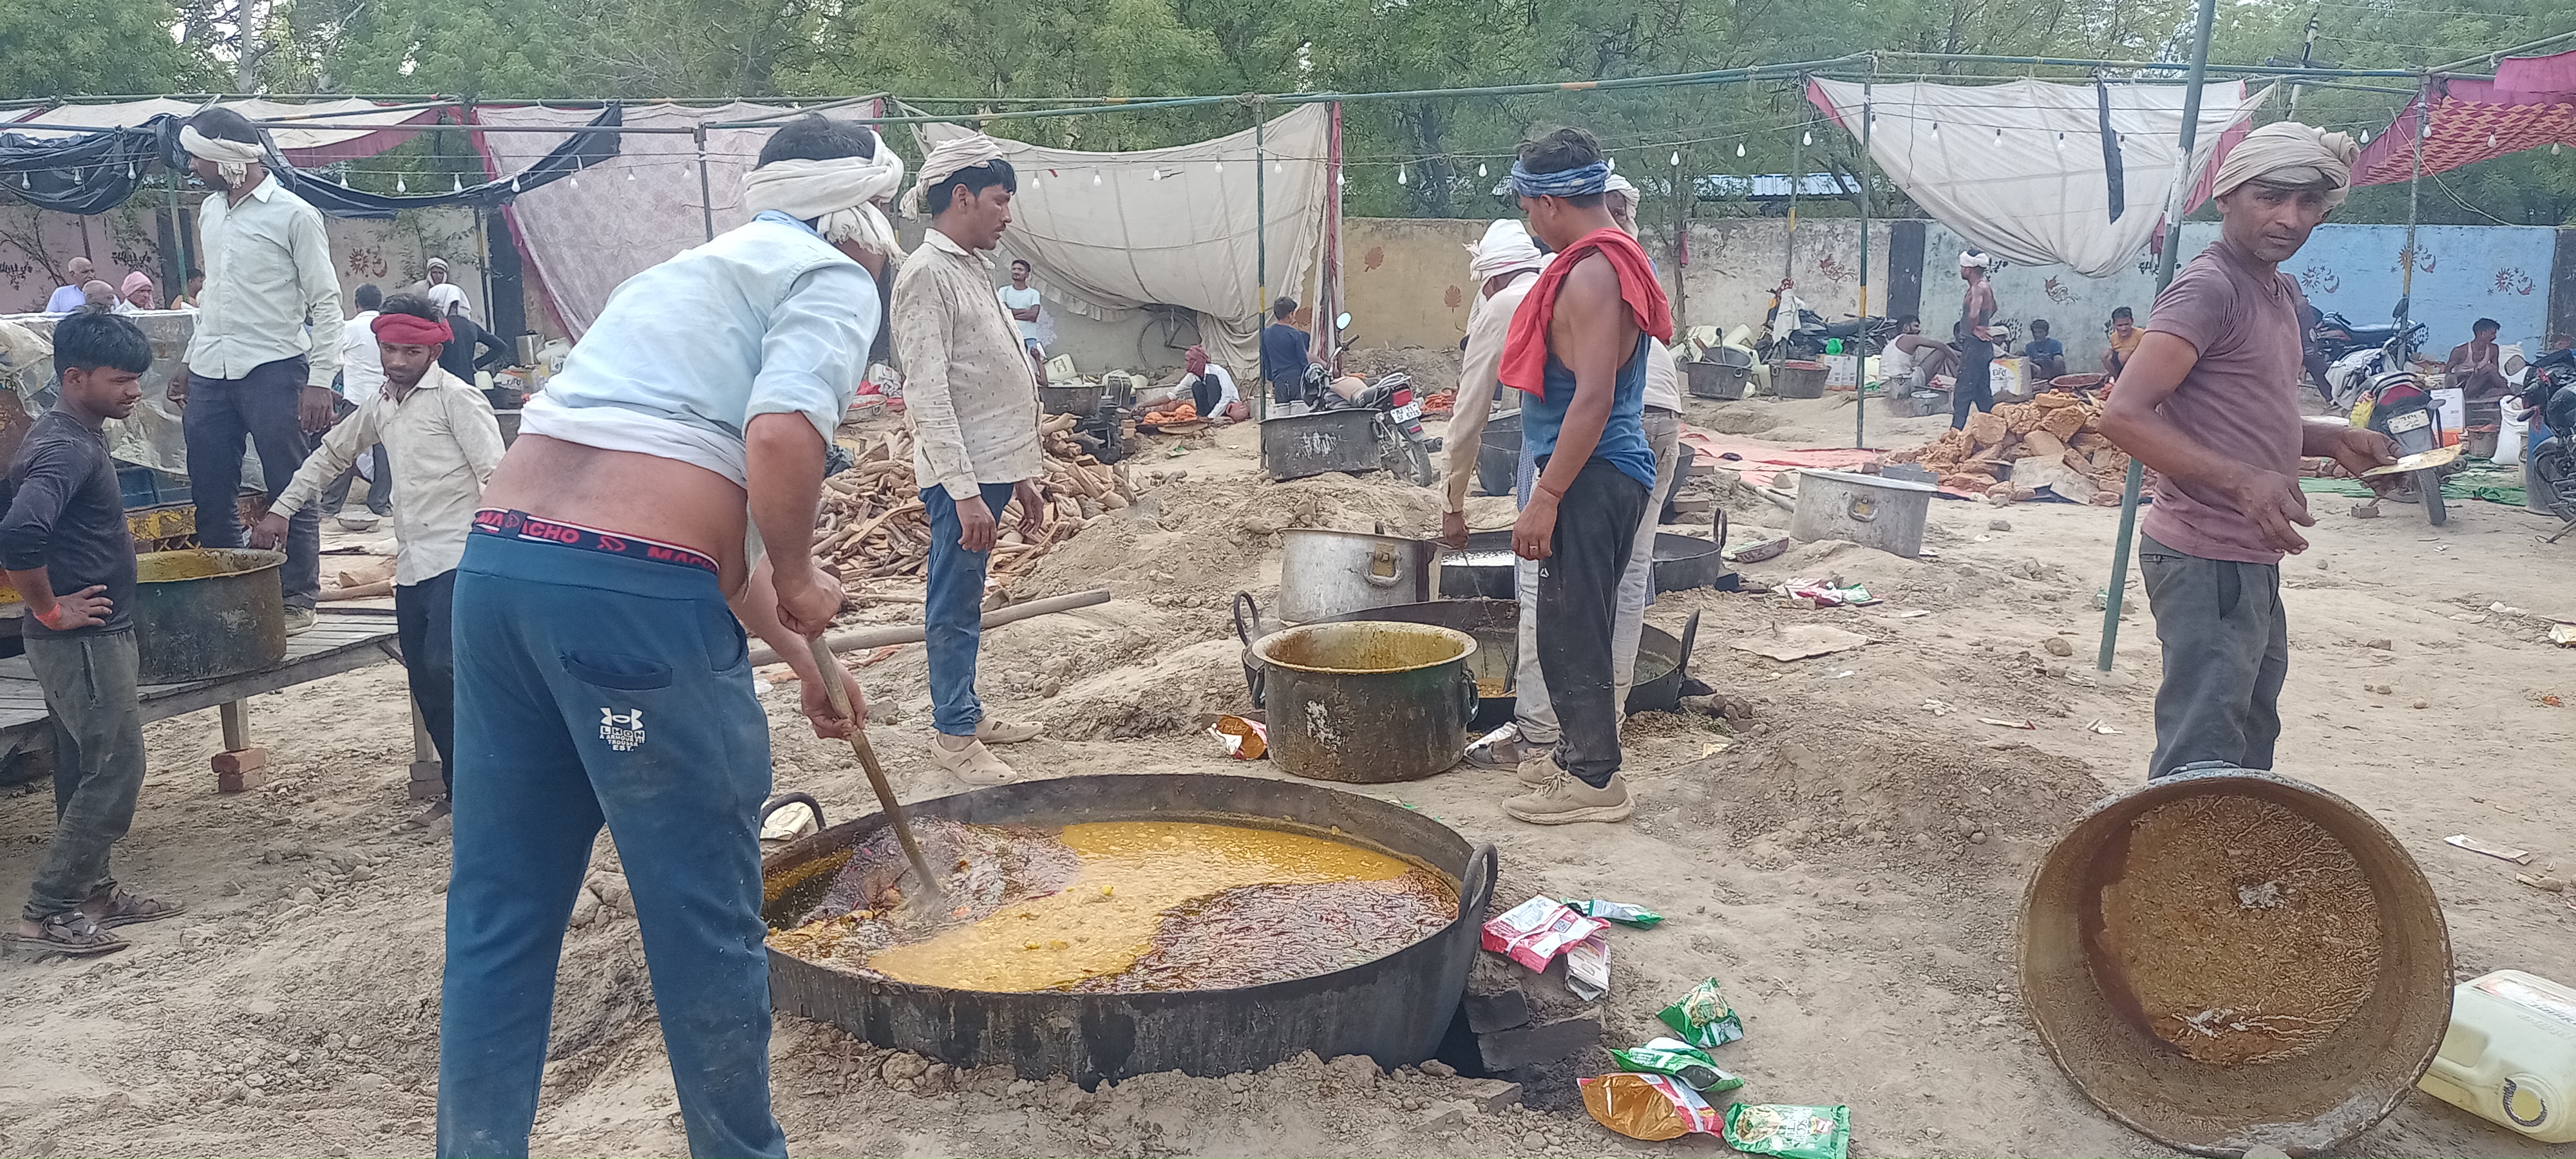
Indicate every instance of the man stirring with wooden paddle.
{"type": "Point", "coordinates": [599, 675]}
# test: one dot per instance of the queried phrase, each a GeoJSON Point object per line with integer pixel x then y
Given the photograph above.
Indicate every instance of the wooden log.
{"type": "Point", "coordinates": [858, 638]}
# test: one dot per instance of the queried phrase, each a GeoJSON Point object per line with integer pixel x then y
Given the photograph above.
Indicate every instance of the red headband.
{"type": "Point", "coordinates": [410, 330]}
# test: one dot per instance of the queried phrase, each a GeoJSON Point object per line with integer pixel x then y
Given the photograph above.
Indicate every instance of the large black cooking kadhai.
{"type": "Point", "coordinates": [1393, 1009]}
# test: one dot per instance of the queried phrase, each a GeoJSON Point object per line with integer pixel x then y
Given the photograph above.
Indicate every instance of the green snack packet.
{"type": "Point", "coordinates": [1789, 1132]}
{"type": "Point", "coordinates": [1702, 1018]}
{"type": "Point", "coordinates": [1617, 911]}
{"type": "Point", "coordinates": [1681, 1060]}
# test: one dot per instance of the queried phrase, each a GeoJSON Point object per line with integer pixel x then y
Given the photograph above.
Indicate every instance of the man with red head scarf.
{"type": "Point", "coordinates": [1210, 387]}
{"type": "Point", "coordinates": [442, 442]}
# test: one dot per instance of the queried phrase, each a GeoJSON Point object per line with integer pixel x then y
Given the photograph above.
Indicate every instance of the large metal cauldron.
{"type": "Point", "coordinates": [1368, 701]}
{"type": "Point", "coordinates": [208, 612]}
{"type": "Point", "coordinates": [1486, 566]}
{"type": "Point", "coordinates": [1663, 660]}
{"type": "Point", "coordinates": [1326, 573]}
{"type": "Point", "coordinates": [1393, 1009]}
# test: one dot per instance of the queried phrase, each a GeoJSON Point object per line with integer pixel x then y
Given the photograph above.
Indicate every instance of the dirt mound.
{"type": "Point", "coordinates": [1433, 368]}
{"type": "Point", "coordinates": [1163, 694]}
{"type": "Point", "coordinates": [1194, 534]}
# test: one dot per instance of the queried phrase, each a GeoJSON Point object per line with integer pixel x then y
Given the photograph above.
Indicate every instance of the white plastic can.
{"type": "Point", "coordinates": [2510, 1054]}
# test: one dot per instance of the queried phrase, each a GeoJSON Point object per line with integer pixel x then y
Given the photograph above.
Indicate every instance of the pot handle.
{"type": "Point", "coordinates": [1476, 889]}
{"type": "Point", "coordinates": [1467, 696]}
{"type": "Point", "coordinates": [1717, 525]}
{"type": "Point", "coordinates": [1247, 619]}
{"type": "Point", "coordinates": [783, 800]}
{"type": "Point", "coordinates": [1690, 633]}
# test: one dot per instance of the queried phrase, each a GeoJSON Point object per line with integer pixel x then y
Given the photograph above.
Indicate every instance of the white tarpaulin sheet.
{"type": "Point", "coordinates": [2040, 173]}
{"type": "Point", "coordinates": [332, 131]}
{"type": "Point", "coordinates": [585, 236]}
{"type": "Point", "coordinates": [1107, 233]}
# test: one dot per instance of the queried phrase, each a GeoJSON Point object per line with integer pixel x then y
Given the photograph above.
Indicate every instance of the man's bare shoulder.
{"type": "Point", "coordinates": [1593, 273]}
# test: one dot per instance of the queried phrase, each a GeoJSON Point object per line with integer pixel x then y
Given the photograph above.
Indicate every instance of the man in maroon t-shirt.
{"type": "Point", "coordinates": [2211, 402]}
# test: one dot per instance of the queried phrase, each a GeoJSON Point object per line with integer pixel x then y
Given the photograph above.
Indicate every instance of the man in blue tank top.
{"type": "Point", "coordinates": [1593, 313]}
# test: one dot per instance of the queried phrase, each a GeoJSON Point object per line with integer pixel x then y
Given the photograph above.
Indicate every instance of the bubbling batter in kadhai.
{"type": "Point", "coordinates": [1124, 906]}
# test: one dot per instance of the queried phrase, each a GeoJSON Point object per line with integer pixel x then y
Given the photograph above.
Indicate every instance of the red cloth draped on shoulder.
{"type": "Point", "coordinates": [1525, 344]}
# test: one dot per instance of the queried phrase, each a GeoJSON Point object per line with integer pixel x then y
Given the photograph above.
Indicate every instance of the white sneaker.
{"type": "Point", "coordinates": [970, 762]}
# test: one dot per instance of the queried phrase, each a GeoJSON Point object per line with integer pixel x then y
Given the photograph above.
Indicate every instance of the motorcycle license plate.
{"type": "Point", "coordinates": [2410, 421]}
{"type": "Point", "coordinates": [1408, 412]}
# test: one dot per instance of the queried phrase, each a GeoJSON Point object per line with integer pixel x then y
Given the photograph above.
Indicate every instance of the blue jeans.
{"type": "Point", "coordinates": [952, 611]}
{"type": "Point", "coordinates": [590, 688]}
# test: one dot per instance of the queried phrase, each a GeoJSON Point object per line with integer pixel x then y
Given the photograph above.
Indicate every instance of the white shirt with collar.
{"type": "Point", "coordinates": [362, 363]}
{"type": "Point", "coordinates": [967, 387]}
{"type": "Point", "coordinates": [270, 286]}
{"type": "Point", "coordinates": [442, 443]}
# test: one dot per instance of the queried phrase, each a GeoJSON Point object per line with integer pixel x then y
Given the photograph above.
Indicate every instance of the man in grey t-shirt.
{"type": "Point", "coordinates": [2210, 400]}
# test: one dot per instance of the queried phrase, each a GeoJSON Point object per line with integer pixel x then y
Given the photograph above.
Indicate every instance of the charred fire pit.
{"type": "Point", "coordinates": [1089, 994]}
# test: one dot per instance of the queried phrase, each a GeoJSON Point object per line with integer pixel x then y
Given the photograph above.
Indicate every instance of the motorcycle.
{"type": "Point", "coordinates": [2550, 390]}
{"type": "Point", "coordinates": [2397, 405]}
{"type": "Point", "coordinates": [1404, 450]}
{"type": "Point", "coordinates": [2352, 371]}
{"type": "Point", "coordinates": [1805, 339]}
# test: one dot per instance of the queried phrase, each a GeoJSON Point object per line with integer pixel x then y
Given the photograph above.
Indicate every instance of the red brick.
{"type": "Point", "coordinates": [241, 770]}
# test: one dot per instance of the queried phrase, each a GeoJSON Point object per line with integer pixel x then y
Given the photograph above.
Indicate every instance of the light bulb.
{"type": "Point", "coordinates": [2061, 142]}
{"type": "Point", "coordinates": [1677, 158]}
{"type": "Point", "coordinates": [1278, 166]}
{"type": "Point", "coordinates": [1095, 178]}
{"type": "Point", "coordinates": [2365, 136]}
{"type": "Point", "coordinates": [1480, 168]}
{"type": "Point", "coordinates": [399, 187]}
{"type": "Point", "coordinates": [2491, 143]}
{"type": "Point", "coordinates": [575, 179]}
{"type": "Point", "coordinates": [459, 187]}
{"type": "Point", "coordinates": [1341, 179]}
{"type": "Point", "coordinates": [514, 183]}
{"type": "Point", "coordinates": [1806, 138]}
{"type": "Point", "coordinates": [1936, 130]}
{"type": "Point", "coordinates": [1614, 164]}
{"type": "Point", "coordinates": [630, 175]}
{"type": "Point", "coordinates": [1220, 166]}
{"type": "Point", "coordinates": [1400, 177]}
{"type": "Point", "coordinates": [1999, 136]}
{"type": "Point", "coordinates": [1739, 148]}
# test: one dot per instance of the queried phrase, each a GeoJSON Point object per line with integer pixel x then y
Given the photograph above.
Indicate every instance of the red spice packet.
{"type": "Point", "coordinates": [1537, 930]}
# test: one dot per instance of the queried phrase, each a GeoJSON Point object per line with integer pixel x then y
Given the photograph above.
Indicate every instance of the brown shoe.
{"type": "Point", "coordinates": [1567, 799]}
{"type": "Point", "coordinates": [114, 907]}
{"type": "Point", "coordinates": [70, 934]}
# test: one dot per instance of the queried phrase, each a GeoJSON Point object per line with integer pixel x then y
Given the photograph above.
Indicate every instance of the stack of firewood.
{"type": "Point", "coordinates": [873, 526]}
{"type": "Point", "coordinates": [2053, 441]}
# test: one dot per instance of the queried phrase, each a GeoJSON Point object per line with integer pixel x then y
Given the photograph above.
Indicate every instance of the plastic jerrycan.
{"type": "Point", "coordinates": [2510, 1054]}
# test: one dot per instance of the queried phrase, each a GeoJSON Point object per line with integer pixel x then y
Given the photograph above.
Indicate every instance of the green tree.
{"type": "Point", "coordinates": [94, 47]}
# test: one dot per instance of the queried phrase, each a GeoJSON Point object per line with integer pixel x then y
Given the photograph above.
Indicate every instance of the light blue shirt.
{"type": "Point", "coordinates": [65, 300]}
{"type": "Point", "coordinates": [768, 318]}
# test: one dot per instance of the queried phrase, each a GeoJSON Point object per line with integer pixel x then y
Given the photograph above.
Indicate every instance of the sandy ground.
{"type": "Point", "coordinates": [1819, 864]}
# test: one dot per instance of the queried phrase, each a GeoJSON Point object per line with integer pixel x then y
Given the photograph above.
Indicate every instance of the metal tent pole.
{"type": "Point", "coordinates": [706, 187]}
{"type": "Point", "coordinates": [2174, 201]}
{"type": "Point", "coordinates": [1260, 210]}
{"type": "Point", "coordinates": [1860, 375]}
{"type": "Point", "coordinates": [2414, 194]}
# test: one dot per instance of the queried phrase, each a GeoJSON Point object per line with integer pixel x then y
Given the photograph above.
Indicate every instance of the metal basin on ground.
{"type": "Point", "coordinates": [1368, 701]}
{"type": "Point", "coordinates": [1393, 1009]}
{"type": "Point", "coordinates": [1484, 568]}
{"type": "Point", "coordinates": [208, 612]}
{"type": "Point", "coordinates": [2227, 959]}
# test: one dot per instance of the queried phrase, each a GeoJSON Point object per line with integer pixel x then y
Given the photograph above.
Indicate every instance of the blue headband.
{"type": "Point", "coordinates": [1592, 178]}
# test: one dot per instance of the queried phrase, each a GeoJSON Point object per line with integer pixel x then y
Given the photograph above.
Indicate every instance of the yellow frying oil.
{"type": "Point", "coordinates": [1132, 871]}
{"type": "Point", "coordinates": [159, 566]}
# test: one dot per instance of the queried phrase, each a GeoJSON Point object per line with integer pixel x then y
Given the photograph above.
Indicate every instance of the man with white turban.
{"type": "Point", "coordinates": [255, 369]}
{"type": "Point", "coordinates": [1505, 264]}
{"type": "Point", "coordinates": [1975, 385]}
{"type": "Point", "coordinates": [2211, 402]}
{"type": "Point", "coordinates": [972, 399]}
{"type": "Point", "coordinates": [601, 670]}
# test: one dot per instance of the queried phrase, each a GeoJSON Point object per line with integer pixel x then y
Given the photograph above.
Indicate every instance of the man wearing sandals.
{"type": "Point", "coordinates": [66, 549]}
{"type": "Point", "coordinates": [974, 409]}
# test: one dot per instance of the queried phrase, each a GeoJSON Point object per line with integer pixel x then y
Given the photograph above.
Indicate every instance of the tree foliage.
{"type": "Point", "coordinates": [959, 55]}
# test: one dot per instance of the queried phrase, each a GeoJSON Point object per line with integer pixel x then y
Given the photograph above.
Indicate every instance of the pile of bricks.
{"type": "Point", "coordinates": [1527, 1029]}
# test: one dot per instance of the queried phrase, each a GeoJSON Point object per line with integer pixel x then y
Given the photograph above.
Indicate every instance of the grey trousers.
{"type": "Point", "coordinates": [98, 762]}
{"type": "Point", "coordinates": [2226, 653]}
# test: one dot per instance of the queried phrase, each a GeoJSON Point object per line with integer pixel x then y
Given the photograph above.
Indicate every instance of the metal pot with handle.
{"type": "Point", "coordinates": [1329, 573]}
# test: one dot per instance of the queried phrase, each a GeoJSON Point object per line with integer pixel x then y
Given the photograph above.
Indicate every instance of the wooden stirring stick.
{"type": "Point", "coordinates": [840, 694]}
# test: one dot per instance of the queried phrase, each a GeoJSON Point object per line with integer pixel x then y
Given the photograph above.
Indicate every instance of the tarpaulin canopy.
{"type": "Point", "coordinates": [2041, 173]}
{"type": "Point", "coordinates": [95, 172]}
{"type": "Point", "coordinates": [2530, 103]}
{"type": "Point", "coordinates": [583, 238]}
{"type": "Point", "coordinates": [332, 131]}
{"type": "Point", "coordinates": [571, 155]}
{"type": "Point", "coordinates": [1107, 233]}
{"type": "Point", "coordinates": [83, 173]}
